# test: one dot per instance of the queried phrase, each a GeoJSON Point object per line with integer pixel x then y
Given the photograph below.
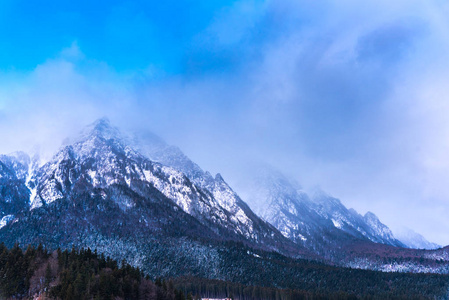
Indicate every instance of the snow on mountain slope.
{"type": "Point", "coordinates": [157, 150]}
{"type": "Point", "coordinates": [108, 191]}
{"type": "Point", "coordinates": [101, 158]}
{"type": "Point", "coordinates": [414, 240]}
{"type": "Point", "coordinates": [317, 221]}
{"type": "Point", "coordinates": [18, 163]}
{"type": "Point", "coordinates": [14, 194]}
{"type": "Point", "coordinates": [348, 220]}
{"type": "Point", "coordinates": [379, 229]}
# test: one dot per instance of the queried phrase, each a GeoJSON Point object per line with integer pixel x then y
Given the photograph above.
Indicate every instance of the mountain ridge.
{"type": "Point", "coordinates": [146, 201]}
{"type": "Point", "coordinates": [100, 161]}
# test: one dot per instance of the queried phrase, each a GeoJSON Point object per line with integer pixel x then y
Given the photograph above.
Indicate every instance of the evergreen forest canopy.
{"type": "Point", "coordinates": [84, 274]}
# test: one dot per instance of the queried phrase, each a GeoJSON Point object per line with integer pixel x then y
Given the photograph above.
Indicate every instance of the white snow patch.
{"type": "Point", "coordinates": [253, 254]}
{"type": "Point", "coordinates": [36, 203]}
{"type": "Point", "coordinates": [33, 194]}
{"type": "Point", "coordinates": [337, 223]}
{"type": "Point", "coordinates": [302, 237]}
{"type": "Point", "coordinates": [5, 220]}
{"type": "Point", "coordinates": [50, 193]}
{"type": "Point", "coordinates": [93, 175]}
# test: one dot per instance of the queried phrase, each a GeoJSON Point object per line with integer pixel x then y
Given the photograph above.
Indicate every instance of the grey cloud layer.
{"type": "Point", "coordinates": [349, 95]}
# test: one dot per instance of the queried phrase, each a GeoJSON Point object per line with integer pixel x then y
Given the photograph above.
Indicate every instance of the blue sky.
{"type": "Point", "coordinates": [127, 35]}
{"type": "Point", "coordinates": [346, 94]}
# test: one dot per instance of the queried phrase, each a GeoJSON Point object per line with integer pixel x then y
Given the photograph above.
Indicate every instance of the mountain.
{"type": "Point", "coordinates": [14, 194]}
{"type": "Point", "coordinates": [414, 240]}
{"type": "Point", "coordinates": [277, 200]}
{"type": "Point", "coordinates": [100, 192]}
{"type": "Point", "coordinates": [322, 224]}
{"type": "Point", "coordinates": [316, 220]}
{"type": "Point", "coordinates": [136, 198]}
{"type": "Point", "coordinates": [157, 150]}
{"type": "Point", "coordinates": [101, 160]}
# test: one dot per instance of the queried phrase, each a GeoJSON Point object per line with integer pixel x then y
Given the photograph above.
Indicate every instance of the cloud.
{"type": "Point", "coordinates": [349, 95]}
{"type": "Point", "coordinates": [46, 105]}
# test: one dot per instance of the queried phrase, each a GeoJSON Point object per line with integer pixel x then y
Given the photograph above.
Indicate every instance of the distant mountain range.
{"type": "Point", "coordinates": [315, 219]}
{"type": "Point", "coordinates": [272, 194]}
{"type": "Point", "coordinates": [414, 240]}
{"type": "Point", "coordinates": [133, 197]}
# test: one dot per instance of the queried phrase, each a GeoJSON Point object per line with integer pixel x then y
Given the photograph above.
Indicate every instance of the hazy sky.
{"type": "Point", "coordinates": [349, 95]}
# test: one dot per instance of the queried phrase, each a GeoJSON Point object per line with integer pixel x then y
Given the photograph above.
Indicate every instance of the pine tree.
{"type": "Point", "coordinates": [48, 276]}
{"type": "Point", "coordinates": [69, 295]}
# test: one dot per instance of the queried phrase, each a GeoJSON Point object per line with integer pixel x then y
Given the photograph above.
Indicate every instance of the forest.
{"type": "Point", "coordinates": [85, 274]}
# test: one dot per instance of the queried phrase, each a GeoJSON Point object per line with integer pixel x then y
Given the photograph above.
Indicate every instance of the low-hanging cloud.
{"type": "Point", "coordinates": [349, 95]}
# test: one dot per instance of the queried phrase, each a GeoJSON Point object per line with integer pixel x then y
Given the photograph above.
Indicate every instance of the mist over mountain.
{"type": "Point", "coordinates": [413, 239]}
{"type": "Point", "coordinates": [315, 220]}
{"type": "Point", "coordinates": [284, 149]}
{"type": "Point", "coordinates": [345, 95]}
{"type": "Point", "coordinates": [132, 196]}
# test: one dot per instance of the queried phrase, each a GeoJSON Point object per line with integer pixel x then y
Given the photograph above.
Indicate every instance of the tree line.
{"type": "Point", "coordinates": [84, 275]}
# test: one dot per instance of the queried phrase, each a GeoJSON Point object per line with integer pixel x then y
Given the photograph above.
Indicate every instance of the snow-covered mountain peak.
{"type": "Point", "coordinates": [148, 183]}
{"type": "Point", "coordinates": [219, 178]}
{"type": "Point", "coordinates": [96, 139]}
{"type": "Point", "coordinates": [313, 218]}
{"type": "Point", "coordinates": [414, 240]}
{"type": "Point", "coordinates": [222, 196]}
{"type": "Point", "coordinates": [378, 227]}
{"type": "Point", "coordinates": [101, 125]}
{"type": "Point", "coordinates": [371, 217]}
{"type": "Point", "coordinates": [101, 128]}
{"type": "Point", "coordinates": [114, 167]}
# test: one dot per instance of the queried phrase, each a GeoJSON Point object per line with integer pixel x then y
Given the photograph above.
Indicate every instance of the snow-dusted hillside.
{"type": "Point", "coordinates": [103, 163]}
{"type": "Point", "coordinates": [157, 150]}
{"type": "Point", "coordinates": [316, 220]}
{"type": "Point", "coordinates": [135, 197]}
{"type": "Point", "coordinates": [14, 194]}
{"type": "Point", "coordinates": [414, 240]}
